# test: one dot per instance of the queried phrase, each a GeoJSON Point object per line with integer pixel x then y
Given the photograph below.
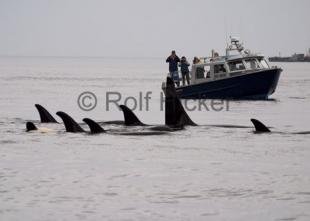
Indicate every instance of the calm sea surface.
{"type": "Point", "coordinates": [201, 173]}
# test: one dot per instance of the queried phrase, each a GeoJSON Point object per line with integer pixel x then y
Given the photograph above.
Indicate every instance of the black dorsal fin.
{"type": "Point", "coordinates": [175, 114]}
{"type": "Point", "coordinates": [94, 127]}
{"type": "Point", "coordinates": [30, 126]}
{"type": "Point", "coordinates": [70, 124]}
{"type": "Point", "coordinates": [45, 116]}
{"type": "Point", "coordinates": [259, 126]}
{"type": "Point", "coordinates": [130, 118]}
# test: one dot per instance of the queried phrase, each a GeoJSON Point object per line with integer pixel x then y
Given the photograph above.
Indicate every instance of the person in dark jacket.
{"type": "Point", "coordinates": [173, 61]}
{"type": "Point", "coordinates": [184, 70]}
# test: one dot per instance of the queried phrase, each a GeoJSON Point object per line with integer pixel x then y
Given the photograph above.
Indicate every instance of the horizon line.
{"type": "Point", "coordinates": [83, 56]}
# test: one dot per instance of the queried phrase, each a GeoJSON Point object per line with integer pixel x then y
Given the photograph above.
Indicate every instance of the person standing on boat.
{"type": "Point", "coordinates": [200, 71]}
{"type": "Point", "coordinates": [173, 61]}
{"type": "Point", "coordinates": [196, 60]}
{"type": "Point", "coordinates": [184, 70]}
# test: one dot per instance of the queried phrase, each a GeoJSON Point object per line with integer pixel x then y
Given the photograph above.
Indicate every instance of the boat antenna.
{"type": "Point", "coordinates": [226, 34]}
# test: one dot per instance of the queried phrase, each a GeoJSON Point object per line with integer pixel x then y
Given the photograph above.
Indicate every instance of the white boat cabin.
{"type": "Point", "coordinates": [210, 69]}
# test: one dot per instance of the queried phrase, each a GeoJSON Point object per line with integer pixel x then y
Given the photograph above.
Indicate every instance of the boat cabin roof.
{"type": "Point", "coordinates": [223, 59]}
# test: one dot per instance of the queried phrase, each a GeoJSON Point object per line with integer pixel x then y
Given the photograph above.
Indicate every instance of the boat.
{"type": "Point", "coordinates": [239, 74]}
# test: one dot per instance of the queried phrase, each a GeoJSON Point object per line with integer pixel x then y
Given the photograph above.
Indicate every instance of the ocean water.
{"type": "Point", "coordinates": [201, 173]}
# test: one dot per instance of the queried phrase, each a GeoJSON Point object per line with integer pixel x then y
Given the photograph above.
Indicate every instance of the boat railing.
{"type": "Point", "coordinates": [180, 78]}
{"type": "Point", "coordinates": [205, 60]}
{"type": "Point", "coordinates": [179, 73]}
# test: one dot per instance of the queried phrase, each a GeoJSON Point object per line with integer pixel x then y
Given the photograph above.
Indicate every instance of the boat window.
{"type": "Point", "coordinates": [200, 72]}
{"type": "Point", "coordinates": [207, 70]}
{"type": "Point", "coordinates": [251, 64]}
{"type": "Point", "coordinates": [236, 66]}
{"type": "Point", "coordinates": [219, 68]}
{"type": "Point", "coordinates": [263, 63]}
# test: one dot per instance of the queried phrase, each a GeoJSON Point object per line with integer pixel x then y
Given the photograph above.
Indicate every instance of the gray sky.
{"type": "Point", "coordinates": [135, 28]}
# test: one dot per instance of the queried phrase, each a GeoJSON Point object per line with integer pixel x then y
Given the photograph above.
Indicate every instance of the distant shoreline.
{"type": "Point", "coordinates": [288, 61]}
{"type": "Point", "coordinates": [294, 58]}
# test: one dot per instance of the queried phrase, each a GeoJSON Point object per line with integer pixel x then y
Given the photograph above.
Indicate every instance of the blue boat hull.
{"type": "Point", "coordinates": [255, 85]}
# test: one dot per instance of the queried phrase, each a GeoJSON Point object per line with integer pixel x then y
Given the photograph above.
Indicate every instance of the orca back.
{"type": "Point", "coordinates": [94, 127]}
{"type": "Point", "coordinates": [30, 126]}
{"type": "Point", "coordinates": [45, 116]}
{"type": "Point", "coordinates": [175, 115]}
{"type": "Point", "coordinates": [70, 124]}
{"type": "Point", "coordinates": [130, 118]}
{"type": "Point", "coordinates": [259, 126]}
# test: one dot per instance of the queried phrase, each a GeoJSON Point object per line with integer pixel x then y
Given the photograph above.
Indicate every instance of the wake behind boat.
{"type": "Point", "coordinates": [239, 74]}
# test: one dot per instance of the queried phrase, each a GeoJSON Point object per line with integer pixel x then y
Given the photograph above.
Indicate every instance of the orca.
{"type": "Point", "coordinates": [130, 119]}
{"type": "Point", "coordinates": [259, 126]}
{"type": "Point", "coordinates": [175, 115]}
{"type": "Point", "coordinates": [70, 124]}
{"type": "Point", "coordinates": [94, 127]}
{"type": "Point", "coordinates": [31, 127]}
{"type": "Point", "coordinates": [45, 116]}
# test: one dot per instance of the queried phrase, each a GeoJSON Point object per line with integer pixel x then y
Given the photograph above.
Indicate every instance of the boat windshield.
{"type": "Point", "coordinates": [263, 63]}
{"type": "Point", "coordinates": [200, 72]}
{"type": "Point", "coordinates": [219, 68]}
{"type": "Point", "coordinates": [251, 64]}
{"type": "Point", "coordinates": [236, 65]}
